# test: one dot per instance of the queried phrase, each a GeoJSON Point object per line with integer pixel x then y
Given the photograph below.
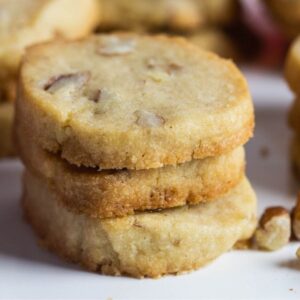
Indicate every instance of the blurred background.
{"type": "Point", "coordinates": [249, 31]}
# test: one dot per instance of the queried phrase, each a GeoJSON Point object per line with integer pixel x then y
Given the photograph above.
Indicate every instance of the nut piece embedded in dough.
{"type": "Point", "coordinates": [116, 46]}
{"type": "Point", "coordinates": [296, 219]}
{"type": "Point", "coordinates": [148, 119]}
{"type": "Point", "coordinates": [62, 81]}
{"type": "Point", "coordinates": [275, 229]}
{"type": "Point", "coordinates": [298, 253]}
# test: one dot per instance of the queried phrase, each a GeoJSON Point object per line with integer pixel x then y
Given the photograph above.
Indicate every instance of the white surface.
{"type": "Point", "coordinates": [27, 272]}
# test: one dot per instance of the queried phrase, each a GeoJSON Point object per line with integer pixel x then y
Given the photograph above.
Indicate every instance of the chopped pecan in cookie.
{"type": "Point", "coordinates": [116, 46]}
{"type": "Point", "coordinates": [57, 82]}
{"type": "Point", "coordinates": [148, 119]}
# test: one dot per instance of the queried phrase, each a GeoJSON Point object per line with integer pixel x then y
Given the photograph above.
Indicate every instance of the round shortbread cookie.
{"type": "Point", "coordinates": [149, 244]}
{"type": "Point", "coordinates": [6, 124]}
{"type": "Point", "coordinates": [25, 22]}
{"type": "Point", "coordinates": [149, 14]}
{"type": "Point", "coordinates": [214, 40]}
{"type": "Point", "coordinates": [112, 193]}
{"type": "Point", "coordinates": [136, 102]}
{"type": "Point", "coordinates": [292, 66]}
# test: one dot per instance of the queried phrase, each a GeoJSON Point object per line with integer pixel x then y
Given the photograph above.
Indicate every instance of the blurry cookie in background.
{"type": "Point", "coordinates": [26, 22]}
{"type": "Point", "coordinates": [179, 15]}
{"type": "Point", "coordinates": [215, 40]}
{"type": "Point", "coordinates": [141, 15]}
{"type": "Point", "coordinates": [286, 14]}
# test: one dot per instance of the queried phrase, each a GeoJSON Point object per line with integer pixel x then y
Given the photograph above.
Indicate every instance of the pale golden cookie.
{"type": "Point", "coordinates": [111, 193]}
{"type": "Point", "coordinates": [148, 244]}
{"type": "Point", "coordinates": [136, 102]}
{"type": "Point", "coordinates": [25, 22]}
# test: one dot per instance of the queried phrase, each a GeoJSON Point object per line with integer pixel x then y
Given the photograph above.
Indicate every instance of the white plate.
{"type": "Point", "coordinates": [28, 272]}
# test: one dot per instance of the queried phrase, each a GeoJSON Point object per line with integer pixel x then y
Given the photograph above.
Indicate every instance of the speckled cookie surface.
{"type": "Point", "coordinates": [6, 124]}
{"type": "Point", "coordinates": [111, 193]}
{"type": "Point", "coordinates": [123, 101]}
{"type": "Point", "coordinates": [148, 244]}
{"type": "Point", "coordinates": [24, 22]}
{"type": "Point", "coordinates": [292, 66]}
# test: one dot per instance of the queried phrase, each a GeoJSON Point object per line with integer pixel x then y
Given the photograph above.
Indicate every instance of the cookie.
{"type": "Point", "coordinates": [112, 193]}
{"type": "Point", "coordinates": [217, 12]}
{"type": "Point", "coordinates": [143, 245]}
{"type": "Point", "coordinates": [292, 66]}
{"type": "Point", "coordinates": [24, 23]}
{"type": "Point", "coordinates": [214, 40]}
{"type": "Point", "coordinates": [149, 14]}
{"type": "Point", "coordinates": [285, 11]}
{"type": "Point", "coordinates": [6, 121]}
{"type": "Point", "coordinates": [136, 102]}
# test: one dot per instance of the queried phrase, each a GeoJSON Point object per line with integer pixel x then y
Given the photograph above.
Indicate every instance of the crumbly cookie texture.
{"type": "Point", "coordinates": [111, 193]}
{"type": "Point", "coordinates": [143, 245]}
{"type": "Point", "coordinates": [6, 124]}
{"type": "Point", "coordinates": [136, 102]}
{"type": "Point", "coordinates": [23, 23]}
{"type": "Point", "coordinates": [292, 66]}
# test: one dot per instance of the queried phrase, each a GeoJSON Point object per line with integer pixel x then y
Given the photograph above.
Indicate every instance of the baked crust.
{"type": "Point", "coordinates": [143, 245]}
{"type": "Point", "coordinates": [115, 193]}
{"type": "Point", "coordinates": [143, 121]}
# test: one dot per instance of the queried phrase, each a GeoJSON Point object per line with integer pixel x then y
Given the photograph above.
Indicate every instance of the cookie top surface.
{"type": "Point", "coordinates": [25, 22]}
{"type": "Point", "coordinates": [133, 101]}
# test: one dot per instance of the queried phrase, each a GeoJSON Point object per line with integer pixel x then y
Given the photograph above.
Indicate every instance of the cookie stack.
{"type": "Point", "coordinates": [292, 75]}
{"type": "Point", "coordinates": [133, 147]}
{"type": "Point", "coordinates": [23, 23]}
